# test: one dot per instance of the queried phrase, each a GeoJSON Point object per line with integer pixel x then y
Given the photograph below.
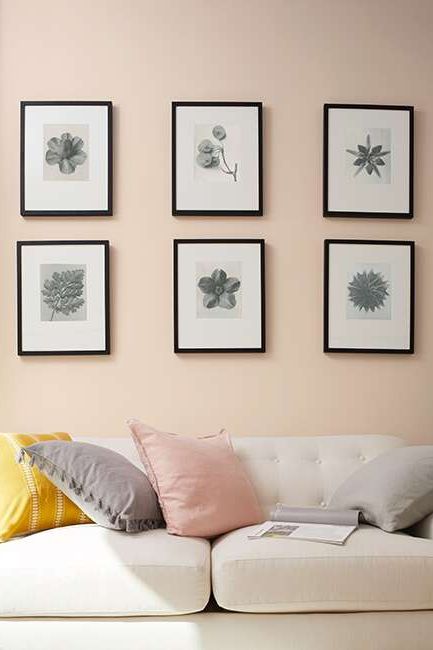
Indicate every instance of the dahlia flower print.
{"type": "Point", "coordinates": [219, 291]}
{"type": "Point", "coordinates": [369, 294]}
{"type": "Point", "coordinates": [211, 153]}
{"type": "Point", "coordinates": [63, 295]}
{"type": "Point", "coordinates": [65, 152]}
{"type": "Point", "coordinates": [370, 159]}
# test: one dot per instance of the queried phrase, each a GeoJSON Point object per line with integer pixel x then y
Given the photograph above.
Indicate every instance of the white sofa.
{"type": "Point", "coordinates": [95, 589]}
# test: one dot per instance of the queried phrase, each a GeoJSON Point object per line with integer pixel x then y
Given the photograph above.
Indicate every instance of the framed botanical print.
{"type": "Point", "coordinates": [63, 297]}
{"type": "Point", "coordinates": [217, 159]}
{"type": "Point", "coordinates": [66, 159]}
{"type": "Point", "coordinates": [219, 295]}
{"type": "Point", "coordinates": [368, 161]}
{"type": "Point", "coordinates": [369, 296]}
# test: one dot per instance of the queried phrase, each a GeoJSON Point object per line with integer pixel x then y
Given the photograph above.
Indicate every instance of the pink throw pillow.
{"type": "Point", "coordinates": [202, 487]}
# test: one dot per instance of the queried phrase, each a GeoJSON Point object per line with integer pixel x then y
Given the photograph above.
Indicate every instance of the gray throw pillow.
{"type": "Point", "coordinates": [393, 491]}
{"type": "Point", "coordinates": [104, 484]}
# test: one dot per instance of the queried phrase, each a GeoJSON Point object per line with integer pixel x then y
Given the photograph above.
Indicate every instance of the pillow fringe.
{"type": "Point", "coordinates": [140, 525]}
{"type": "Point", "coordinates": [21, 455]}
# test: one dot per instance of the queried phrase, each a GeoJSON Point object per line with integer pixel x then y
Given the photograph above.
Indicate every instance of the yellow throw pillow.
{"type": "Point", "coordinates": [29, 502]}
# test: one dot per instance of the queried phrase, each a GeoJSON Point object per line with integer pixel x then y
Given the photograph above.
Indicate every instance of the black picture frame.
{"type": "Point", "coordinates": [259, 349]}
{"type": "Point", "coordinates": [21, 351]}
{"type": "Point", "coordinates": [326, 313]}
{"type": "Point", "coordinates": [360, 214]}
{"type": "Point", "coordinates": [67, 213]}
{"type": "Point", "coordinates": [216, 213]}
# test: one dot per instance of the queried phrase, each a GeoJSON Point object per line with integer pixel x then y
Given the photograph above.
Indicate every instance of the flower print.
{"type": "Point", "coordinates": [219, 290]}
{"type": "Point", "coordinates": [66, 152]}
{"type": "Point", "coordinates": [368, 157]}
{"type": "Point", "coordinates": [206, 146]}
{"type": "Point", "coordinates": [207, 160]}
{"type": "Point", "coordinates": [212, 154]}
{"type": "Point", "coordinates": [219, 132]}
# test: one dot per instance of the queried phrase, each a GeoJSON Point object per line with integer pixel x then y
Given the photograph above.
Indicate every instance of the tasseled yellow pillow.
{"type": "Point", "coordinates": [29, 502]}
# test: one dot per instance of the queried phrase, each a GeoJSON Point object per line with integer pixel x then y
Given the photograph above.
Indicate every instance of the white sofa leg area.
{"type": "Point", "coordinates": [225, 631]}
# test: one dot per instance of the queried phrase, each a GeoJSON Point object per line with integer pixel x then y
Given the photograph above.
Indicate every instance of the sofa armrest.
{"type": "Point", "coordinates": [423, 528]}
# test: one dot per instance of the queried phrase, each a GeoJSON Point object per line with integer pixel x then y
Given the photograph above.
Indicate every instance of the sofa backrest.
{"type": "Point", "coordinates": [296, 470]}
{"type": "Point", "coordinates": [306, 471]}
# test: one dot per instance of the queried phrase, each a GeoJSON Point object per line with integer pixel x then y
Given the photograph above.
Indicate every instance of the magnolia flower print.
{"type": "Point", "coordinates": [219, 290]}
{"type": "Point", "coordinates": [368, 158]}
{"type": "Point", "coordinates": [212, 154]}
{"type": "Point", "coordinates": [66, 152]}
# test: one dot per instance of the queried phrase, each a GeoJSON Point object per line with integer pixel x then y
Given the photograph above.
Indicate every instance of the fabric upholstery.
{"type": "Point", "coordinates": [103, 483]}
{"type": "Point", "coordinates": [154, 573]}
{"type": "Point", "coordinates": [219, 630]}
{"type": "Point", "coordinates": [124, 446]}
{"type": "Point", "coordinates": [393, 491]}
{"type": "Point", "coordinates": [296, 470]}
{"type": "Point", "coordinates": [202, 487]}
{"type": "Point", "coordinates": [423, 528]}
{"type": "Point", "coordinates": [29, 502]}
{"type": "Point", "coordinates": [305, 471]}
{"type": "Point", "coordinates": [92, 571]}
{"type": "Point", "coordinates": [374, 570]}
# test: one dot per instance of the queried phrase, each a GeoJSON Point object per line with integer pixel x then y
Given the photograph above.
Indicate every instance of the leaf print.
{"type": "Point", "coordinates": [63, 292]}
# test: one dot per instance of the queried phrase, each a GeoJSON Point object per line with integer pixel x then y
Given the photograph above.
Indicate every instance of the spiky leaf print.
{"type": "Point", "coordinates": [369, 158]}
{"type": "Point", "coordinates": [368, 290]}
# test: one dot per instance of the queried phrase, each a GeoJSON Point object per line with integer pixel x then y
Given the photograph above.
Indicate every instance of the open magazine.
{"type": "Point", "coordinates": [313, 524]}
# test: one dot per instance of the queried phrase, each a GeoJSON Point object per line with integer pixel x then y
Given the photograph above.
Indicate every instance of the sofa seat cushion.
{"type": "Point", "coordinates": [87, 570]}
{"type": "Point", "coordinates": [373, 571]}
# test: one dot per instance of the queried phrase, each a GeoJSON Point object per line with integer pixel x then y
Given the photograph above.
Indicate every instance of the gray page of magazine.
{"type": "Point", "coordinates": [315, 515]}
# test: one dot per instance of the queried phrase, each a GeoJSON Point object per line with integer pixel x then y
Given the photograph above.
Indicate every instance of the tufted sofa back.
{"type": "Point", "coordinates": [305, 471]}
{"type": "Point", "coordinates": [295, 470]}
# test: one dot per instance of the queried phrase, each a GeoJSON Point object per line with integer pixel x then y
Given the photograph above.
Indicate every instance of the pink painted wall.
{"type": "Point", "coordinates": [293, 55]}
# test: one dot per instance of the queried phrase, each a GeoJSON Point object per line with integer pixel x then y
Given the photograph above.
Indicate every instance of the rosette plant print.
{"type": "Point", "coordinates": [219, 290]}
{"type": "Point", "coordinates": [368, 291]}
{"type": "Point", "coordinates": [369, 296]}
{"type": "Point", "coordinates": [211, 153]}
{"type": "Point", "coordinates": [369, 158]}
{"type": "Point", "coordinates": [66, 152]}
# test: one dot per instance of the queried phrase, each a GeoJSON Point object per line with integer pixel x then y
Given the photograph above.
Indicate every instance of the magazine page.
{"type": "Point", "coordinates": [311, 532]}
{"type": "Point", "coordinates": [315, 515]}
